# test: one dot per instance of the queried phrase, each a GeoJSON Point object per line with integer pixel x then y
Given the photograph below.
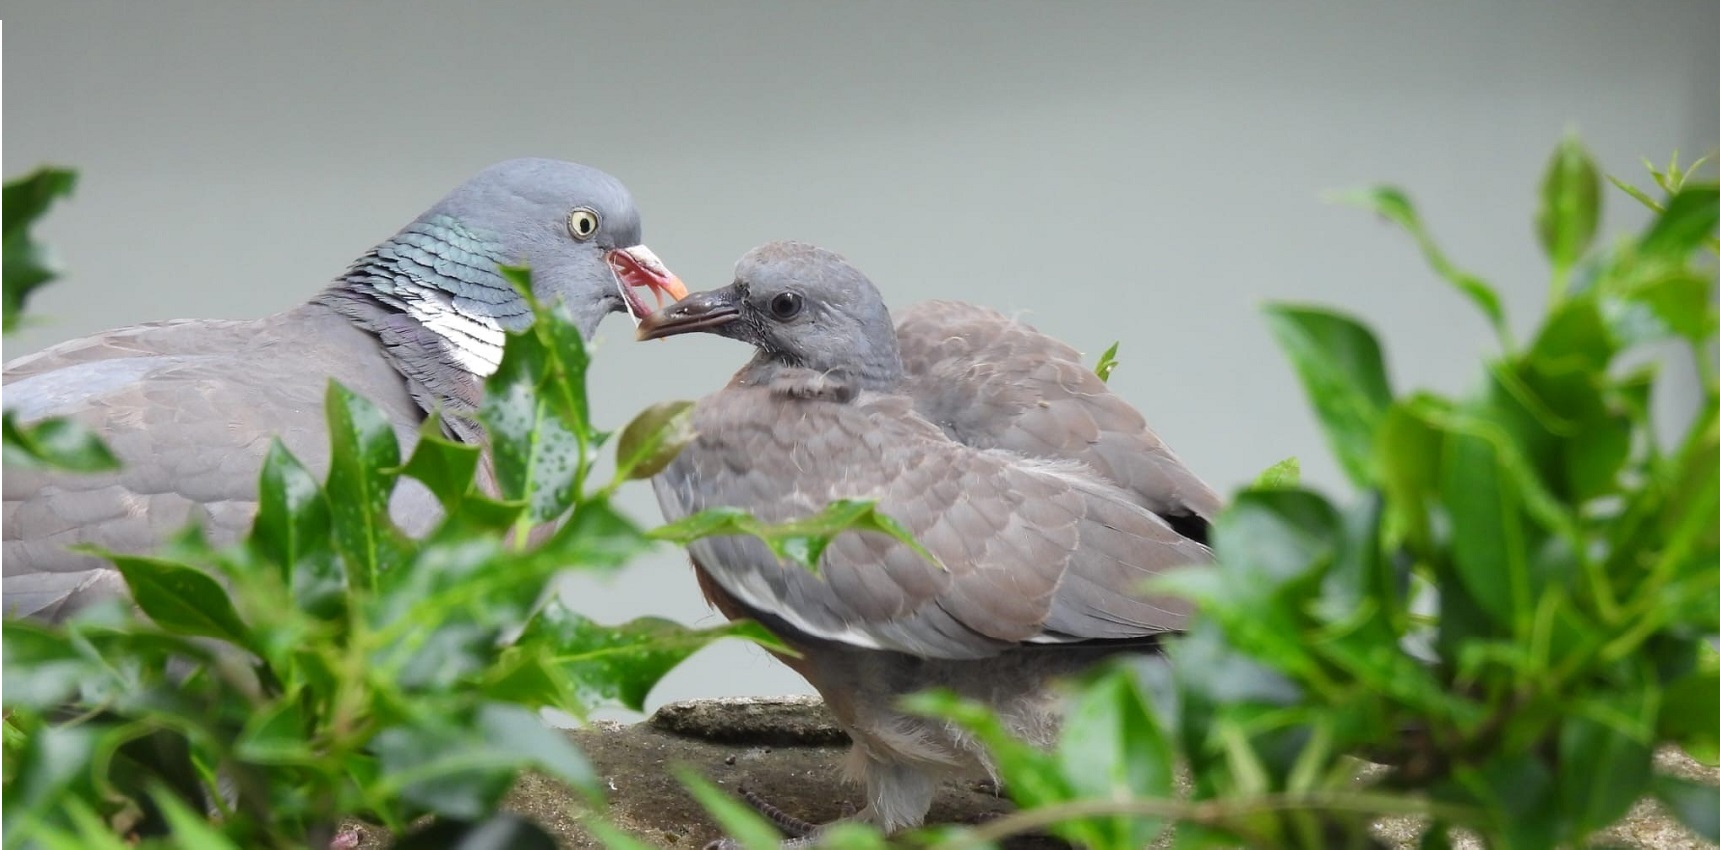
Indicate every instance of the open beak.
{"type": "Point", "coordinates": [637, 270]}
{"type": "Point", "coordinates": [700, 311]}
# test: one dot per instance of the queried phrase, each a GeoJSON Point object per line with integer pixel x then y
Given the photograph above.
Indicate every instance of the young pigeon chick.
{"type": "Point", "coordinates": [1040, 559]}
{"type": "Point", "coordinates": [414, 325]}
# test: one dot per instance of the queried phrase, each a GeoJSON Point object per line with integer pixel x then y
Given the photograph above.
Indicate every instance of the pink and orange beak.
{"type": "Point", "coordinates": [637, 270]}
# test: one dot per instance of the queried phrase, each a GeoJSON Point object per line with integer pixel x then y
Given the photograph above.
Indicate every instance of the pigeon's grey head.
{"type": "Point", "coordinates": [575, 226]}
{"type": "Point", "coordinates": [799, 305]}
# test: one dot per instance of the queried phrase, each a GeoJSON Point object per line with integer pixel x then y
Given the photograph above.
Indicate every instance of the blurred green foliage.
{"type": "Point", "coordinates": [1513, 613]}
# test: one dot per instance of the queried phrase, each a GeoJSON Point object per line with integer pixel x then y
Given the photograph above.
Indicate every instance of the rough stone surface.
{"type": "Point", "coordinates": [789, 752]}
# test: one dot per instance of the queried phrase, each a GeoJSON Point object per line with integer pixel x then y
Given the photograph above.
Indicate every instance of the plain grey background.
{"type": "Point", "coordinates": [1143, 172]}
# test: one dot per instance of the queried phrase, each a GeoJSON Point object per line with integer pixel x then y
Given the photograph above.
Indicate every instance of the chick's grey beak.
{"type": "Point", "coordinates": [701, 311]}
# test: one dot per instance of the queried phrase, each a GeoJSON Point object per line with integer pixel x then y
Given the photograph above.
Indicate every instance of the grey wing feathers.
{"type": "Point", "coordinates": [1031, 551]}
{"type": "Point", "coordinates": [190, 409]}
{"type": "Point", "coordinates": [993, 382]}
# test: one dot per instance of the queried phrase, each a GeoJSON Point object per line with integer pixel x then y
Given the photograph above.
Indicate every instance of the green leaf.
{"type": "Point", "coordinates": [610, 836]}
{"type": "Point", "coordinates": [191, 831]}
{"type": "Point", "coordinates": [460, 769]}
{"type": "Point", "coordinates": [181, 599]}
{"type": "Point", "coordinates": [1602, 772]}
{"type": "Point", "coordinates": [92, 833]}
{"type": "Point", "coordinates": [53, 761]}
{"type": "Point", "coordinates": [1518, 792]}
{"type": "Point", "coordinates": [597, 537]}
{"type": "Point", "coordinates": [1032, 777]}
{"type": "Point", "coordinates": [802, 540]}
{"type": "Point", "coordinates": [500, 831]}
{"type": "Point", "coordinates": [55, 443]}
{"type": "Point", "coordinates": [1275, 536]}
{"type": "Point", "coordinates": [292, 531]}
{"type": "Point", "coordinates": [1273, 547]}
{"type": "Point", "coordinates": [1570, 204]}
{"type": "Point", "coordinates": [363, 456]}
{"type": "Point", "coordinates": [447, 467]}
{"type": "Point", "coordinates": [41, 668]}
{"type": "Point", "coordinates": [1646, 298]}
{"type": "Point", "coordinates": [1393, 204]}
{"type": "Point", "coordinates": [535, 449]}
{"type": "Point", "coordinates": [1689, 515]}
{"type": "Point", "coordinates": [1686, 714]}
{"type": "Point", "coordinates": [1596, 454]}
{"type": "Point", "coordinates": [26, 262]}
{"type": "Point", "coordinates": [1489, 537]}
{"type": "Point", "coordinates": [277, 735]}
{"type": "Point", "coordinates": [1697, 806]}
{"type": "Point", "coordinates": [653, 438]}
{"type": "Point", "coordinates": [620, 663]}
{"type": "Point", "coordinates": [739, 822]}
{"type": "Point", "coordinates": [1107, 362]}
{"type": "Point", "coordinates": [1342, 371]}
{"type": "Point", "coordinates": [1574, 337]}
{"type": "Point", "coordinates": [1691, 216]}
{"type": "Point", "coordinates": [1112, 748]}
{"type": "Point", "coordinates": [1283, 475]}
{"type": "Point", "coordinates": [1641, 196]}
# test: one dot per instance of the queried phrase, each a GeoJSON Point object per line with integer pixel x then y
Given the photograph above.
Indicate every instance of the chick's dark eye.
{"type": "Point", "coordinates": [785, 305]}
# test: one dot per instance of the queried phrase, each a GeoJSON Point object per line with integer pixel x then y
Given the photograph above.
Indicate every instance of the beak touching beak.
{"type": "Point", "coordinates": [701, 311]}
{"type": "Point", "coordinates": [637, 270]}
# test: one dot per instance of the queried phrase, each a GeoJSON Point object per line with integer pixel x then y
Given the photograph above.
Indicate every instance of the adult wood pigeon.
{"type": "Point", "coordinates": [1046, 500]}
{"type": "Point", "coordinates": [414, 325]}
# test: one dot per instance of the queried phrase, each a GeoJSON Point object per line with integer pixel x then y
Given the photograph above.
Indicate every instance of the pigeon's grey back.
{"type": "Point", "coordinates": [990, 381]}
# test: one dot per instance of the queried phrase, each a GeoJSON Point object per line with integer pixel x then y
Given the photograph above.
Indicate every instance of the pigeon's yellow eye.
{"type": "Point", "coordinates": [582, 223]}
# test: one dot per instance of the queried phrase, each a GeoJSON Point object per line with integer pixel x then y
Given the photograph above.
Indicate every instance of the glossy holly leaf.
{"type": "Point", "coordinates": [536, 451]}
{"type": "Point", "coordinates": [181, 599]}
{"type": "Point", "coordinates": [445, 466]}
{"type": "Point", "coordinates": [620, 664]}
{"type": "Point", "coordinates": [363, 460]}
